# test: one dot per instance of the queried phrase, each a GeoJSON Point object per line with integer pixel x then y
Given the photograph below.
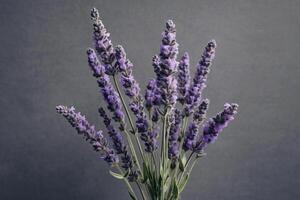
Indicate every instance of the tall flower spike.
{"type": "Point", "coordinates": [132, 90]}
{"type": "Point", "coordinates": [117, 140]}
{"type": "Point", "coordinates": [110, 95]}
{"type": "Point", "coordinates": [192, 132]}
{"type": "Point", "coordinates": [215, 125]}
{"type": "Point", "coordinates": [151, 94]}
{"type": "Point", "coordinates": [200, 113]}
{"type": "Point", "coordinates": [191, 136]}
{"type": "Point", "coordinates": [103, 44]}
{"type": "Point", "coordinates": [183, 77]}
{"type": "Point", "coordinates": [175, 122]}
{"type": "Point", "coordinates": [166, 65]}
{"type": "Point", "coordinates": [84, 128]}
{"type": "Point", "coordinates": [193, 97]}
{"type": "Point", "coordinates": [150, 139]}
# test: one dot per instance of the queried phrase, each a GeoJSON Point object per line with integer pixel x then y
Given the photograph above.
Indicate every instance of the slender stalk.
{"type": "Point", "coordinates": [186, 164]}
{"type": "Point", "coordinates": [182, 131]}
{"type": "Point", "coordinates": [141, 191]}
{"type": "Point", "coordinates": [154, 161]}
{"type": "Point", "coordinates": [132, 149]}
{"type": "Point", "coordinates": [129, 118]}
{"type": "Point", "coordinates": [127, 183]}
{"type": "Point", "coordinates": [163, 153]}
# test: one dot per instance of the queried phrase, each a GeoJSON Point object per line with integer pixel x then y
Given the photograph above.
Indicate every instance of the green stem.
{"type": "Point", "coordinates": [141, 191]}
{"type": "Point", "coordinates": [127, 182]}
{"type": "Point", "coordinates": [182, 131]}
{"type": "Point", "coordinates": [186, 164]}
{"type": "Point", "coordinates": [163, 152]}
{"type": "Point", "coordinates": [131, 124]}
{"type": "Point", "coordinates": [132, 149]}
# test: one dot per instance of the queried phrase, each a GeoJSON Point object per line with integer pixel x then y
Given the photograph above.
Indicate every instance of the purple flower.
{"type": "Point", "coordinates": [88, 131]}
{"type": "Point", "coordinates": [132, 90]}
{"type": "Point", "coordinates": [110, 95]}
{"type": "Point", "coordinates": [191, 136]}
{"type": "Point", "coordinates": [183, 77]}
{"type": "Point", "coordinates": [166, 65]}
{"type": "Point", "coordinates": [150, 140]}
{"type": "Point", "coordinates": [117, 140]}
{"type": "Point", "coordinates": [175, 121]}
{"type": "Point", "coordinates": [103, 44]}
{"type": "Point", "coordinates": [200, 113]}
{"type": "Point", "coordinates": [155, 115]}
{"type": "Point", "coordinates": [215, 125]}
{"type": "Point", "coordinates": [194, 94]}
{"type": "Point", "coordinates": [151, 94]}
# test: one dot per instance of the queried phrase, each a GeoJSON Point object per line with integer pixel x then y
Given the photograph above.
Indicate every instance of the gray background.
{"type": "Point", "coordinates": [43, 63]}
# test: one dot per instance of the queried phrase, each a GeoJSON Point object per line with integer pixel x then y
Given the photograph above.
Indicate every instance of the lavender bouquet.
{"type": "Point", "coordinates": [154, 140]}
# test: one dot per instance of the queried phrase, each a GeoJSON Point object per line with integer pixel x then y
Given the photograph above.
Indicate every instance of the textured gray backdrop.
{"type": "Point", "coordinates": [43, 63]}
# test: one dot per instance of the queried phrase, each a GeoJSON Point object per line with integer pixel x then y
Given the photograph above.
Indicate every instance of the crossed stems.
{"type": "Point", "coordinates": [164, 161]}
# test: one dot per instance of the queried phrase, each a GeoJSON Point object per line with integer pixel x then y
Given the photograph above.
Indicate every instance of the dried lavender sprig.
{"type": "Point", "coordinates": [117, 139]}
{"type": "Point", "coordinates": [84, 128]}
{"type": "Point", "coordinates": [167, 65]}
{"type": "Point", "coordinates": [193, 129]}
{"type": "Point", "coordinates": [183, 77]}
{"type": "Point", "coordinates": [110, 95]}
{"type": "Point", "coordinates": [215, 125]}
{"type": "Point", "coordinates": [193, 97]}
{"type": "Point", "coordinates": [103, 43]}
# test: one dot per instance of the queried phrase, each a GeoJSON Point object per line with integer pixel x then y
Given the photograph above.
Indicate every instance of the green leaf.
{"type": "Point", "coordinates": [145, 173]}
{"type": "Point", "coordinates": [175, 190]}
{"type": "Point", "coordinates": [181, 165]}
{"type": "Point", "coordinates": [116, 175]}
{"type": "Point", "coordinates": [199, 155]}
{"type": "Point", "coordinates": [183, 182]}
{"type": "Point", "coordinates": [132, 196]}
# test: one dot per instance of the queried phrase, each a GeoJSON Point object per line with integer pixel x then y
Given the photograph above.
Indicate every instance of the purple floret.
{"type": "Point", "coordinates": [84, 128]}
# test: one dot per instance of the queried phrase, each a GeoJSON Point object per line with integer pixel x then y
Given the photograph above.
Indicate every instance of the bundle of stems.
{"type": "Point", "coordinates": [155, 139]}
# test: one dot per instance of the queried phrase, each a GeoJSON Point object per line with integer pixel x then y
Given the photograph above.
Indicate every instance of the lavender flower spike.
{"type": "Point", "coordinates": [194, 94]}
{"type": "Point", "coordinates": [150, 139]}
{"type": "Point", "coordinates": [215, 125]}
{"type": "Point", "coordinates": [110, 95]}
{"type": "Point", "coordinates": [200, 113]}
{"type": "Point", "coordinates": [193, 129]}
{"type": "Point", "coordinates": [88, 131]}
{"type": "Point", "coordinates": [166, 65]}
{"type": "Point", "coordinates": [132, 90]}
{"type": "Point", "coordinates": [183, 77]}
{"type": "Point", "coordinates": [117, 140]}
{"type": "Point", "coordinates": [103, 44]}
{"type": "Point", "coordinates": [191, 136]}
{"type": "Point", "coordinates": [175, 122]}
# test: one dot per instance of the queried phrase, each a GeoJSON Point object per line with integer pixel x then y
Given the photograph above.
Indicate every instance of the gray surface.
{"type": "Point", "coordinates": [43, 63]}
